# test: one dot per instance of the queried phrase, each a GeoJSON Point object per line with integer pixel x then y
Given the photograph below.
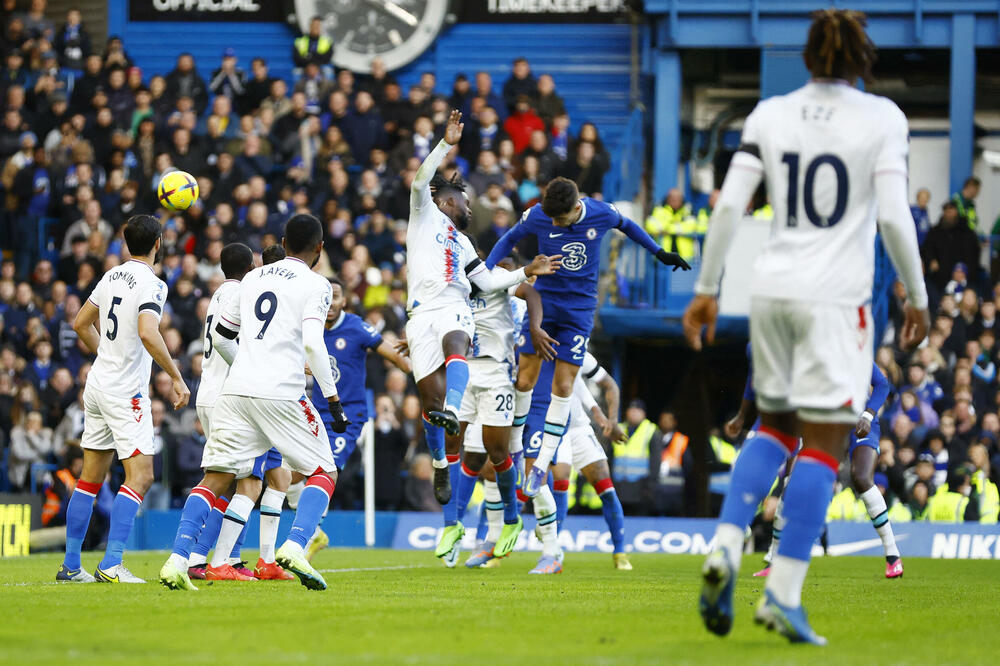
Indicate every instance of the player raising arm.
{"type": "Point", "coordinates": [441, 263]}
{"type": "Point", "coordinates": [120, 322]}
{"type": "Point", "coordinates": [571, 226]}
{"type": "Point", "coordinates": [830, 153]}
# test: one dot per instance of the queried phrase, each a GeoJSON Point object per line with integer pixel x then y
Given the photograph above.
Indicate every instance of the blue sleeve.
{"type": "Point", "coordinates": [748, 392]}
{"type": "Point", "coordinates": [506, 244]}
{"type": "Point", "coordinates": [373, 338]}
{"type": "Point", "coordinates": [638, 234]}
{"type": "Point", "coordinates": [880, 390]}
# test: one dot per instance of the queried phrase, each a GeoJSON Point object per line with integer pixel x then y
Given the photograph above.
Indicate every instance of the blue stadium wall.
{"type": "Point", "coordinates": [590, 62]}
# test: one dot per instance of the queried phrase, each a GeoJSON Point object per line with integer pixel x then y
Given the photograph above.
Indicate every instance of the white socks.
{"type": "Point", "coordinates": [270, 517]}
{"type": "Point", "coordinates": [232, 524]}
{"type": "Point", "coordinates": [522, 405]}
{"type": "Point", "coordinates": [545, 510]}
{"type": "Point", "coordinates": [293, 493]}
{"type": "Point", "coordinates": [786, 579]}
{"type": "Point", "coordinates": [494, 517]}
{"type": "Point", "coordinates": [556, 417]}
{"type": "Point", "coordinates": [777, 526]}
{"type": "Point", "coordinates": [879, 514]}
{"type": "Point", "coordinates": [731, 538]}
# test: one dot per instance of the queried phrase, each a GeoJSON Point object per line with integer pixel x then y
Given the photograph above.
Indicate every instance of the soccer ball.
{"type": "Point", "coordinates": [178, 190]}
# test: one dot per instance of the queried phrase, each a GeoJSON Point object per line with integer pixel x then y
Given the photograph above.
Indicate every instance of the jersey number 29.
{"type": "Point", "coordinates": [808, 189]}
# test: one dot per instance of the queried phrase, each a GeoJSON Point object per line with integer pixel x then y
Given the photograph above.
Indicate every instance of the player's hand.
{"type": "Point", "coordinates": [544, 344]}
{"type": "Point", "coordinates": [453, 131]}
{"type": "Point", "coordinates": [543, 265]}
{"type": "Point", "coordinates": [702, 312]}
{"type": "Point", "coordinates": [340, 420]}
{"type": "Point", "coordinates": [863, 427]}
{"type": "Point", "coordinates": [615, 433]}
{"type": "Point", "coordinates": [672, 259]}
{"type": "Point", "coordinates": [733, 427]}
{"type": "Point", "coordinates": [181, 394]}
{"type": "Point", "coordinates": [402, 348]}
{"type": "Point", "coordinates": [915, 325]}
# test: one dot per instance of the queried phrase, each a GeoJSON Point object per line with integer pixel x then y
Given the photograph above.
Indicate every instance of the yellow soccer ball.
{"type": "Point", "coordinates": [178, 190]}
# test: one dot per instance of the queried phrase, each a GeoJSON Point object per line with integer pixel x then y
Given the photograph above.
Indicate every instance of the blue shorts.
{"type": "Point", "coordinates": [871, 441]}
{"type": "Point", "coordinates": [265, 462]}
{"type": "Point", "coordinates": [569, 327]}
{"type": "Point", "coordinates": [342, 445]}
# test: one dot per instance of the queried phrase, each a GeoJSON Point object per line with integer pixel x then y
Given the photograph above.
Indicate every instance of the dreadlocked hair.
{"type": "Point", "coordinates": [440, 183]}
{"type": "Point", "coordinates": [838, 46]}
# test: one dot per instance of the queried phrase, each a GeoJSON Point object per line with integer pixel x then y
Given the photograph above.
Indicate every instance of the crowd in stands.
{"type": "Point", "coordinates": [85, 137]}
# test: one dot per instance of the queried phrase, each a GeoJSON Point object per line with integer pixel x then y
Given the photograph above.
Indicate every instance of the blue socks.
{"type": "Point", "coordinates": [123, 511]}
{"type": "Point", "coordinates": [754, 474]}
{"type": "Point", "coordinates": [450, 509]}
{"type": "Point", "coordinates": [314, 500]}
{"type": "Point", "coordinates": [466, 486]}
{"type": "Point", "coordinates": [484, 526]}
{"type": "Point", "coordinates": [78, 512]}
{"type": "Point", "coordinates": [807, 498]}
{"type": "Point", "coordinates": [434, 435]}
{"type": "Point", "coordinates": [560, 491]}
{"type": "Point", "coordinates": [456, 370]}
{"type": "Point", "coordinates": [196, 509]}
{"type": "Point", "coordinates": [507, 483]}
{"type": "Point", "coordinates": [614, 515]}
{"type": "Point", "coordinates": [210, 532]}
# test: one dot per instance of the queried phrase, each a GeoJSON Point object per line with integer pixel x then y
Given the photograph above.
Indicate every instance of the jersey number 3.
{"type": "Point", "coordinates": [808, 189]}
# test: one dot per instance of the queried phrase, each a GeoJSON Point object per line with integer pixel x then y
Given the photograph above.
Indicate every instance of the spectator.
{"type": "Point", "coordinates": [636, 462]}
{"type": "Point", "coordinates": [72, 41]}
{"type": "Point", "coordinates": [965, 202]}
{"type": "Point", "coordinates": [520, 83]}
{"type": "Point", "coordinates": [949, 243]}
{"type": "Point", "coordinates": [952, 504]}
{"type": "Point", "coordinates": [257, 88]}
{"type": "Point", "coordinates": [91, 221]}
{"type": "Point", "coordinates": [921, 217]}
{"type": "Point", "coordinates": [549, 163]}
{"type": "Point", "coordinates": [184, 81]}
{"type": "Point", "coordinates": [364, 128]}
{"type": "Point", "coordinates": [585, 171]}
{"type": "Point", "coordinates": [30, 443]}
{"type": "Point", "coordinates": [228, 79]}
{"type": "Point", "coordinates": [484, 91]}
{"type": "Point", "coordinates": [521, 123]}
{"type": "Point", "coordinates": [548, 103]}
{"type": "Point", "coordinates": [313, 47]}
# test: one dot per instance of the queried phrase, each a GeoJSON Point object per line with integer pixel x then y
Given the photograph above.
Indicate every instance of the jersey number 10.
{"type": "Point", "coordinates": [808, 189]}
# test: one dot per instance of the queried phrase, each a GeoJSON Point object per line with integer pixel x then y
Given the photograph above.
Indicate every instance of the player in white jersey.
{"type": "Point", "coordinates": [830, 155]}
{"type": "Point", "coordinates": [224, 529]}
{"type": "Point", "coordinates": [580, 450]}
{"type": "Point", "coordinates": [441, 263]}
{"type": "Point", "coordinates": [280, 313]}
{"type": "Point", "coordinates": [489, 404]}
{"type": "Point", "coordinates": [119, 322]}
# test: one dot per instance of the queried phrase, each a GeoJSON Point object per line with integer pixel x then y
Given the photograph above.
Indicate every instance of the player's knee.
{"type": "Point", "coordinates": [250, 487]}
{"type": "Point", "coordinates": [140, 480]}
{"type": "Point", "coordinates": [474, 461]}
{"type": "Point", "coordinates": [279, 479]}
{"type": "Point", "coordinates": [862, 481]}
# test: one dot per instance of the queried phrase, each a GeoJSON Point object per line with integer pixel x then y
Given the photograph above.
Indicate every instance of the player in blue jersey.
{"type": "Point", "coordinates": [573, 227]}
{"type": "Point", "coordinates": [348, 339]}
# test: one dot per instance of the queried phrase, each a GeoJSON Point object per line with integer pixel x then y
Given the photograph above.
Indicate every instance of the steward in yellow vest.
{"type": "Point", "coordinates": [951, 503]}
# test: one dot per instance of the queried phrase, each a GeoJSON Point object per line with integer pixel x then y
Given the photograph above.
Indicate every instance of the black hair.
{"type": "Point", "coordinates": [838, 46]}
{"type": "Point", "coordinates": [271, 254]}
{"type": "Point", "coordinates": [561, 195]}
{"type": "Point", "coordinates": [141, 232]}
{"type": "Point", "coordinates": [971, 180]}
{"type": "Point", "coordinates": [439, 185]}
{"type": "Point", "coordinates": [302, 232]}
{"type": "Point", "coordinates": [236, 260]}
{"type": "Point", "coordinates": [336, 281]}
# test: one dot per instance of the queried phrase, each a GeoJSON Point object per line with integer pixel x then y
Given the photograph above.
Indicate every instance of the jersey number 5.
{"type": "Point", "coordinates": [113, 318]}
{"type": "Point", "coordinates": [808, 188]}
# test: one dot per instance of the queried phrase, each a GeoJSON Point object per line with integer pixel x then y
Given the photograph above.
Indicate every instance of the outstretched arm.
{"type": "Point", "coordinates": [496, 279]}
{"type": "Point", "coordinates": [389, 353]}
{"type": "Point", "coordinates": [506, 244]}
{"type": "Point", "coordinates": [420, 190]}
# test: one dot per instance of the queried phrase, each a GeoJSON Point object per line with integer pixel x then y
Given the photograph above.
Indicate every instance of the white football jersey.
{"type": "Point", "coordinates": [436, 255]}
{"type": "Point", "coordinates": [493, 316]}
{"type": "Point", "coordinates": [214, 369]}
{"type": "Point", "coordinates": [820, 148]}
{"type": "Point", "coordinates": [273, 302]}
{"type": "Point", "coordinates": [123, 364]}
{"type": "Point", "coordinates": [590, 370]}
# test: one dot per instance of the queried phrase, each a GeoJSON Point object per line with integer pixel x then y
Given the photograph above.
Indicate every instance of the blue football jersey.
{"type": "Point", "coordinates": [348, 343]}
{"type": "Point", "coordinates": [575, 284]}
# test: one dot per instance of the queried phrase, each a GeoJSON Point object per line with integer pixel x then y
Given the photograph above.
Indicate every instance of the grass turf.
{"type": "Point", "coordinates": [404, 607]}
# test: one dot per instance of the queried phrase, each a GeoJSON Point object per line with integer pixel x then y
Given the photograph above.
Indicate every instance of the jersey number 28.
{"type": "Point", "coordinates": [808, 189]}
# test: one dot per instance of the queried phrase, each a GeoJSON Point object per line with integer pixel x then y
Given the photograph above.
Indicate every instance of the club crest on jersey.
{"type": "Point", "coordinates": [340, 343]}
{"type": "Point", "coordinates": [591, 233]}
{"type": "Point", "coordinates": [311, 421]}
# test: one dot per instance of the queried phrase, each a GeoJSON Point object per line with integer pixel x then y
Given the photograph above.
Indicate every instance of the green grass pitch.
{"type": "Point", "coordinates": [404, 607]}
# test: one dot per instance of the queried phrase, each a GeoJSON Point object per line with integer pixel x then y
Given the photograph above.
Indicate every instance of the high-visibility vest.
{"type": "Point", "coordinates": [989, 497]}
{"type": "Point", "coordinates": [673, 452]}
{"type": "Point", "coordinates": [725, 452]}
{"type": "Point", "coordinates": [765, 212]}
{"type": "Point", "coordinates": [50, 509]}
{"type": "Point", "coordinates": [966, 210]}
{"type": "Point", "coordinates": [946, 506]}
{"type": "Point", "coordinates": [302, 45]}
{"type": "Point", "coordinates": [846, 506]}
{"type": "Point", "coordinates": [589, 499]}
{"type": "Point", "coordinates": [632, 457]}
{"type": "Point", "coordinates": [900, 513]}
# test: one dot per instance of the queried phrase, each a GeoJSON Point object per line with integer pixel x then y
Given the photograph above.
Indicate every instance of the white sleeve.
{"type": "Point", "coordinates": [591, 369]}
{"type": "Point", "coordinates": [420, 190]}
{"type": "Point", "coordinates": [229, 317]}
{"type": "Point", "coordinates": [899, 234]}
{"type": "Point", "coordinates": [581, 392]}
{"type": "Point", "coordinates": [152, 297]}
{"type": "Point", "coordinates": [496, 279]}
{"type": "Point", "coordinates": [745, 173]}
{"type": "Point", "coordinates": [317, 356]}
{"type": "Point", "coordinates": [226, 348]}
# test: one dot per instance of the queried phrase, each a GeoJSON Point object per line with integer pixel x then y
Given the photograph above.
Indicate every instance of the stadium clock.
{"type": "Point", "coordinates": [396, 30]}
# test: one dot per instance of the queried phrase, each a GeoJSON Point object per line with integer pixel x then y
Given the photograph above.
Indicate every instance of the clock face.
{"type": "Point", "coordinates": [395, 30]}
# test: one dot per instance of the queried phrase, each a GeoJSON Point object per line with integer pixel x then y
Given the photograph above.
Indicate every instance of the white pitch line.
{"type": "Point", "coordinates": [395, 568]}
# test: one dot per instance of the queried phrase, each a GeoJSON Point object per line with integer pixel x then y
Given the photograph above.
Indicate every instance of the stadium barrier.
{"type": "Point", "coordinates": [154, 530]}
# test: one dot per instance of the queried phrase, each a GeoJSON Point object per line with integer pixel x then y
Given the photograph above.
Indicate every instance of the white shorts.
{"type": "Point", "coordinates": [489, 397]}
{"type": "Point", "coordinates": [425, 332]}
{"type": "Point", "coordinates": [205, 416]}
{"type": "Point", "coordinates": [244, 428]}
{"type": "Point", "coordinates": [811, 358]}
{"type": "Point", "coordinates": [473, 442]}
{"type": "Point", "coordinates": [113, 422]}
{"type": "Point", "coordinates": [579, 448]}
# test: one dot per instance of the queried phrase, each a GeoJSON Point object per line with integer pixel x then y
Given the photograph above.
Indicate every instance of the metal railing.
{"type": "Point", "coordinates": [623, 179]}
